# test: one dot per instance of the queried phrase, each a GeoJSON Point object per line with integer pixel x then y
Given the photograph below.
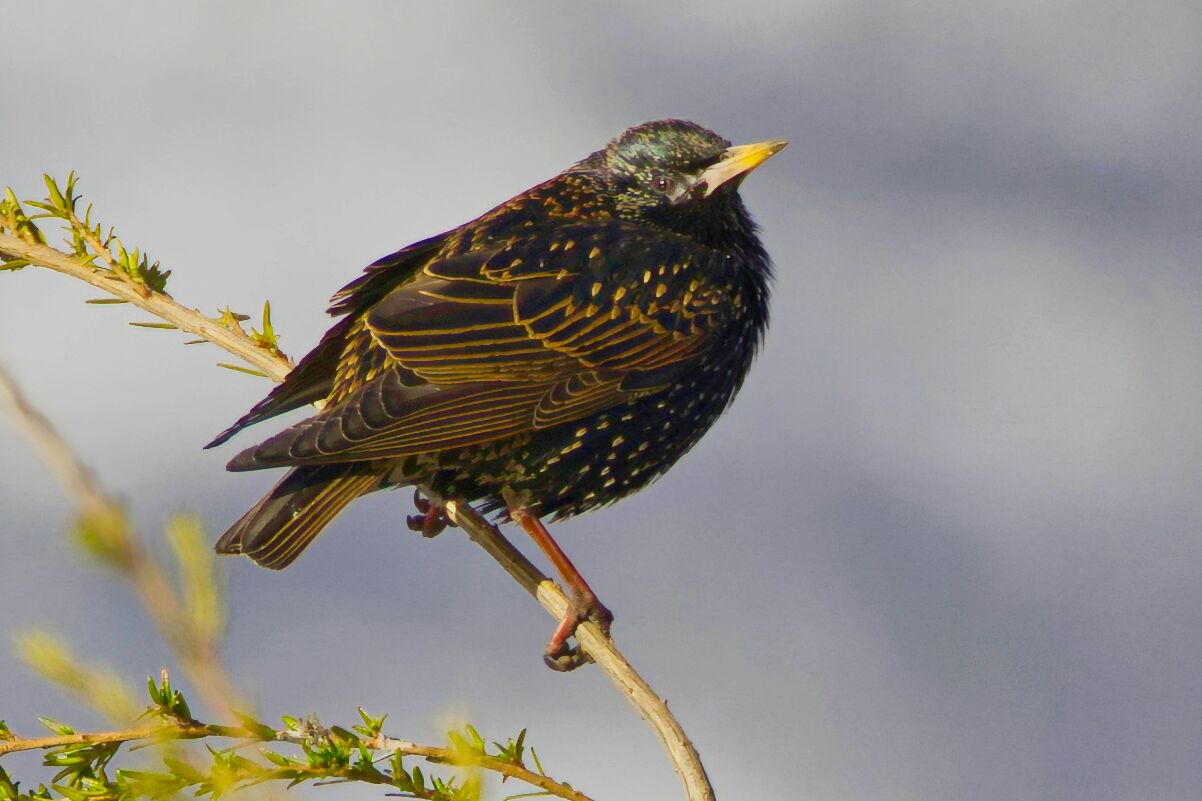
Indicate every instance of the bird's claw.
{"type": "Point", "coordinates": [566, 658]}
{"type": "Point", "coordinates": [431, 520]}
{"type": "Point", "coordinates": [562, 657]}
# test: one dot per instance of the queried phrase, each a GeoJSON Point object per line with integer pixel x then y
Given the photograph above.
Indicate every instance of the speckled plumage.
{"type": "Point", "coordinates": [569, 345]}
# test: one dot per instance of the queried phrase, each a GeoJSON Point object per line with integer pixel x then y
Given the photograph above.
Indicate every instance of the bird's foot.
{"type": "Point", "coordinates": [581, 608]}
{"type": "Point", "coordinates": [431, 518]}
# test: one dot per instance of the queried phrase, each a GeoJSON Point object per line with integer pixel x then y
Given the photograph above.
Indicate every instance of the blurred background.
{"type": "Point", "coordinates": [944, 545]}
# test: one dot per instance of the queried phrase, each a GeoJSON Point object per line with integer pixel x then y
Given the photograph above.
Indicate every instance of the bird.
{"type": "Point", "coordinates": [551, 356]}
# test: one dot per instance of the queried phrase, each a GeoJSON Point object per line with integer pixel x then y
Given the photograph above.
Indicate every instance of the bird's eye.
{"type": "Point", "coordinates": [663, 183]}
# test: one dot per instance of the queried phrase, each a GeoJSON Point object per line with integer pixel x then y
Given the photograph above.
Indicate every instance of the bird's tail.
{"type": "Point", "coordinates": [277, 528]}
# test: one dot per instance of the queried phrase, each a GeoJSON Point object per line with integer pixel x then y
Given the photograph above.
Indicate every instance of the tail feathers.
{"type": "Point", "coordinates": [281, 525]}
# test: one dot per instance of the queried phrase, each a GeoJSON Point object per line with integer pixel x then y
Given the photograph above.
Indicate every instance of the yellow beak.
{"type": "Point", "coordinates": [739, 160]}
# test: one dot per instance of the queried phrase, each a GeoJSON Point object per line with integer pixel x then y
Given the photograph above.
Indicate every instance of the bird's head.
{"type": "Point", "coordinates": [676, 173]}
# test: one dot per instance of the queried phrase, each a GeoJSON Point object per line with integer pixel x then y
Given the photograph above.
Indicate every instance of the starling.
{"type": "Point", "coordinates": [553, 355]}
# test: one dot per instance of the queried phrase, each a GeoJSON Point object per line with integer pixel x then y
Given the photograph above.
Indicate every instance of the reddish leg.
{"type": "Point", "coordinates": [431, 519]}
{"type": "Point", "coordinates": [583, 604]}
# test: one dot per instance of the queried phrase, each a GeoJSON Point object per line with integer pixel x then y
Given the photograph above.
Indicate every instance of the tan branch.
{"type": "Point", "coordinates": [452, 757]}
{"type": "Point", "coordinates": [196, 651]}
{"type": "Point", "coordinates": [102, 737]}
{"type": "Point", "coordinates": [159, 304]}
{"type": "Point", "coordinates": [654, 710]}
{"type": "Point", "coordinates": [76, 479]}
{"type": "Point", "coordinates": [379, 742]}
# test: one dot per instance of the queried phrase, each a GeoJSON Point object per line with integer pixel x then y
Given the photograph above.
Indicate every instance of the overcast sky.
{"type": "Point", "coordinates": [944, 545]}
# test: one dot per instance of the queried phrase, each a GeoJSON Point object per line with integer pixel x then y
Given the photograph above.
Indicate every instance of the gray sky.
{"type": "Point", "coordinates": [944, 546]}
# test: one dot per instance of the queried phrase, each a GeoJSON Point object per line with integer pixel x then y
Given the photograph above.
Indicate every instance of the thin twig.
{"type": "Point", "coordinates": [197, 651]}
{"type": "Point", "coordinates": [380, 742]}
{"type": "Point", "coordinates": [159, 304]}
{"type": "Point", "coordinates": [76, 479]}
{"type": "Point", "coordinates": [453, 757]}
{"type": "Point", "coordinates": [101, 737]}
{"type": "Point", "coordinates": [654, 710]}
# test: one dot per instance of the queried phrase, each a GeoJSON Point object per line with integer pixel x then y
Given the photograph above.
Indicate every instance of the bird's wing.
{"type": "Point", "coordinates": [314, 377]}
{"type": "Point", "coordinates": [537, 332]}
{"type": "Point", "coordinates": [606, 296]}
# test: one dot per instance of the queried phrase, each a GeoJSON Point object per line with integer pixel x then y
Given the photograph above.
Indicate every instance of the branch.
{"type": "Point", "coordinates": [458, 757]}
{"type": "Point", "coordinates": [76, 479]}
{"type": "Point", "coordinates": [106, 529]}
{"type": "Point", "coordinates": [329, 753]}
{"type": "Point", "coordinates": [654, 710]}
{"type": "Point", "coordinates": [160, 304]}
{"type": "Point", "coordinates": [156, 732]}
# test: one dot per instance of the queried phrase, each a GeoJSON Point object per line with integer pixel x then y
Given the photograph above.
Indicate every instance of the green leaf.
{"type": "Point", "coordinates": [50, 209]}
{"type": "Point", "coordinates": [277, 758]}
{"type": "Point", "coordinates": [267, 338]}
{"type": "Point", "coordinates": [56, 197]}
{"type": "Point", "coordinates": [55, 726]}
{"type": "Point", "coordinates": [180, 708]}
{"type": "Point", "coordinates": [72, 179]}
{"type": "Point", "coordinates": [239, 369]}
{"type": "Point", "coordinates": [477, 740]}
{"type": "Point", "coordinates": [9, 789]}
{"type": "Point", "coordinates": [13, 217]}
{"type": "Point", "coordinates": [537, 763]}
{"type": "Point", "coordinates": [230, 318]}
{"type": "Point", "coordinates": [397, 767]}
{"type": "Point", "coordinates": [183, 770]}
{"type": "Point", "coordinates": [254, 727]}
{"type": "Point", "coordinates": [458, 743]}
{"type": "Point", "coordinates": [372, 725]}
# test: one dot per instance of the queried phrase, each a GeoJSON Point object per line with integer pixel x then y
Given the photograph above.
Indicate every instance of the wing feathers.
{"type": "Point", "coordinates": [364, 427]}
{"type": "Point", "coordinates": [491, 344]}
